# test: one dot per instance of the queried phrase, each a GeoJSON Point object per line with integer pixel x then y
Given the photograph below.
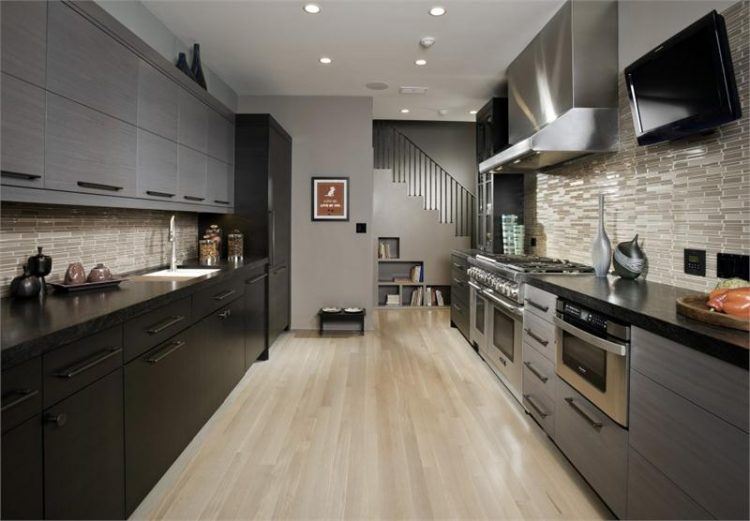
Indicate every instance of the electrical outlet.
{"type": "Point", "coordinates": [731, 265]}
{"type": "Point", "coordinates": [695, 262]}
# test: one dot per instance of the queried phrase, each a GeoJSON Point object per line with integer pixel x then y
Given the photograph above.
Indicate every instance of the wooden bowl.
{"type": "Point", "coordinates": [695, 307]}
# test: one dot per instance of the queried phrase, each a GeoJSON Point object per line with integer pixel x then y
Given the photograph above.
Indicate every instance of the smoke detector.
{"type": "Point", "coordinates": [427, 42]}
{"type": "Point", "coordinates": [413, 90]}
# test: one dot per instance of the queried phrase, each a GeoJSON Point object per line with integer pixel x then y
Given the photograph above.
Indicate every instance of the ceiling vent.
{"type": "Point", "coordinates": [413, 90]}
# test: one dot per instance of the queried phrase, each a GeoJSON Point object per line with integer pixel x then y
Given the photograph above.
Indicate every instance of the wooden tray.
{"type": "Point", "coordinates": [69, 288]}
{"type": "Point", "coordinates": [695, 307]}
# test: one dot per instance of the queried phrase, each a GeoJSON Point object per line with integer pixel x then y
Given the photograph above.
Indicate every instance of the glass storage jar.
{"type": "Point", "coordinates": [208, 252]}
{"type": "Point", "coordinates": [235, 245]}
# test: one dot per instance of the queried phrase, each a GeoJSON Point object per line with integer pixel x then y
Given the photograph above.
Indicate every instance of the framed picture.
{"type": "Point", "coordinates": [330, 198]}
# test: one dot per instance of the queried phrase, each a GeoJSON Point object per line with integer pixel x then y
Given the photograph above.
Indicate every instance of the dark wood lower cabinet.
{"type": "Point", "coordinates": [22, 492]}
{"type": "Point", "coordinates": [255, 325]}
{"type": "Point", "coordinates": [278, 302]}
{"type": "Point", "coordinates": [160, 414]}
{"type": "Point", "coordinates": [84, 454]}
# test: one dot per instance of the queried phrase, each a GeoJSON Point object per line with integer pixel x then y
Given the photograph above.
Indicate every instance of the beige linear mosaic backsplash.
{"type": "Point", "coordinates": [692, 193]}
{"type": "Point", "coordinates": [125, 240]}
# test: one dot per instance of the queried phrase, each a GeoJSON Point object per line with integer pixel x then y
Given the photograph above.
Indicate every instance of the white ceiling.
{"type": "Point", "coordinates": [272, 47]}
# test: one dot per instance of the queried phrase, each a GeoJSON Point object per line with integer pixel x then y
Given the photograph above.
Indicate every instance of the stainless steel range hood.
{"type": "Point", "coordinates": [562, 101]}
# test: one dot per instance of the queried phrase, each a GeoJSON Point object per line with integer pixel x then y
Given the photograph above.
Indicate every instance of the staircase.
{"type": "Point", "coordinates": [424, 177]}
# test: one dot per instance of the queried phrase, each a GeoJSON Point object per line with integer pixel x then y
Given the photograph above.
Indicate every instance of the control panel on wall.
{"type": "Point", "coordinates": [728, 265]}
{"type": "Point", "coordinates": [695, 262]}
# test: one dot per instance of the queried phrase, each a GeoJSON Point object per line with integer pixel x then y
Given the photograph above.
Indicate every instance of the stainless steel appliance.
{"type": "Point", "coordinates": [496, 310]}
{"type": "Point", "coordinates": [593, 357]}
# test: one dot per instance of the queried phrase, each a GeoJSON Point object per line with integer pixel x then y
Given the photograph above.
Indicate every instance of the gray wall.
{"type": "Point", "coordinates": [136, 17]}
{"type": "Point", "coordinates": [644, 24]}
{"type": "Point", "coordinates": [332, 136]}
{"type": "Point", "coordinates": [452, 144]}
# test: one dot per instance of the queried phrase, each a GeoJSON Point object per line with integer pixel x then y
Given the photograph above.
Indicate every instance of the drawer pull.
{"type": "Point", "coordinates": [536, 337]}
{"type": "Point", "coordinates": [159, 194]}
{"type": "Point", "coordinates": [23, 395]}
{"type": "Point", "coordinates": [596, 424]}
{"type": "Point", "coordinates": [257, 279]}
{"type": "Point", "coordinates": [166, 324]}
{"type": "Point", "coordinates": [225, 314]}
{"type": "Point", "coordinates": [538, 408]}
{"type": "Point", "coordinates": [219, 201]}
{"type": "Point", "coordinates": [459, 282]}
{"type": "Point", "coordinates": [194, 198]}
{"type": "Point", "coordinates": [536, 372]}
{"type": "Point", "coordinates": [538, 306]}
{"type": "Point", "coordinates": [20, 175]}
{"type": "Point", "coordinates": [224, 295]}
{"type": "Point", "coordinates": [165, 351]}
{"type": "Point", "coordinates": [85, 365]}
{"type": "Point", "coordinates": [458, 308]}
{"type": "Point", "coordinates": [502, 361]}
{"type": "Point", "coordinates": [98, 186]}
{"type": "Point", "coordinates": [459, 266]}
{"type": "Point", "coordinates": [58, 419]}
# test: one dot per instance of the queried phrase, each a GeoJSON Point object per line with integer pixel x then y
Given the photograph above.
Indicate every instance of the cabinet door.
{"type": "Point", "coordinates": [220, 132]}
{"type": "Point", "coordinates": [220, 182]}
{"type": "Point", "coordinates": [158, 102]}
{"type": "Point", "coordinates": [87, 65]}
{"type": "Point", "coordinates": [160, 399]}
{"type": "Point", "coordinates": [84, 454]}
{"type": "Point", "coordinates": [193, 121]}
{"type": "Point", "coordinates": [22, 114]}
{"type": "Point", "coordinates": [88, 151]}
{"type": "Point", "coordinates": [24, 40]}
{"type": "Point", "coordinates": [192, 175]}
{"type": "Point", "coordinates": [280, 171]}
{"type": "Point", "coordinates": [255, 311]}
{"type": "Point", "coordinates": [278, 302]}
{"type": "Point", "coordinates": [22, 471]}
{"type": "Point", "coordinates": [157, 166]}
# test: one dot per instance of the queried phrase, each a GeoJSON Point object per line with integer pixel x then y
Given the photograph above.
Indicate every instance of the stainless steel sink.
{"type": "Point", "coordinates": [180, 273]}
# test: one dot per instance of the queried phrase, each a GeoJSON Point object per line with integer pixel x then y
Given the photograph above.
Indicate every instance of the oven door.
{"type": "Point", "coordinates": [477, 316]}
{"type": "Point", "coordinates": [595, 367]}
{"type": "Point", "coordinates": [504, 340]}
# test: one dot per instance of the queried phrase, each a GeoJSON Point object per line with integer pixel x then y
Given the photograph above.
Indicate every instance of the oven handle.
{"type": "Point", "coordinates": [616, 348]}
{"type": "Point", "coordinates": [513, 310]}
{"type": "Point", "coordinates": [475, 286]}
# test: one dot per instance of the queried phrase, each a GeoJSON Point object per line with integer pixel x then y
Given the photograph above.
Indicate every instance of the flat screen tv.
{"type": "Point", "coordinates": [685, 85]}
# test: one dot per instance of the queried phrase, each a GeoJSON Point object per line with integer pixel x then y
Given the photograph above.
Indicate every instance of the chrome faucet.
{"type": "Point", "coordinates": [172, 239]}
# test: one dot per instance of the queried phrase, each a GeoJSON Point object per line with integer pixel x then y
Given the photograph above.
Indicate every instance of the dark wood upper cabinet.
{"type": "Point", "coordinates": [220, 137]}
{"type": "Point", "coordinates": [220, 183]}
{"type": "Point", "coordinates": [193, 122]}
{"type": "Point", "coordinates": [87, 65]}
{"type": "Point", "coordinates": [24, 40]}
{"type": "Point", "coordinates": [157, 166]}
{"type": "Point", "coordinates": [158, 102]}
{"type": "Point", "coordinates": [22, 111]}
{"type": "Point", "coordinates": [191, 180]}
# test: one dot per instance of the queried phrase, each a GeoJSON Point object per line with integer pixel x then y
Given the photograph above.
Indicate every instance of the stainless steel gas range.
{"type": "Point", "coordinates": [496, 308]}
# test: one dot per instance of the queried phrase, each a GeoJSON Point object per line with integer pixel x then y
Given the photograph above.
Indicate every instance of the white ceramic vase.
{"type": "Point", "coordinates": [601, 249]}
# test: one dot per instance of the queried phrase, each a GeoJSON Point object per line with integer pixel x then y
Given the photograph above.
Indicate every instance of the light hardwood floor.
{"type": "Point", "coordinates": [405, 422]}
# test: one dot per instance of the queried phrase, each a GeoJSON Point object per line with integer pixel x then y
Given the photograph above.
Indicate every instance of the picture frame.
{"type": "Point", "coordinates": [330, 199]}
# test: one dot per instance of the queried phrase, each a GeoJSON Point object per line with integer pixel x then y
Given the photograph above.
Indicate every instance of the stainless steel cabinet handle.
{"type": "Point", "coordinates": [596, 424]}
{"type": "Point", "coordinates": [224, 295]}
{"type": "Point", "coordinates": [169, 322]}
{"type": "Point", "coordinates": [165, 352]}
{"type": "Point", "coordinates": [23, 395]}
{"type": "Point", "coordinates": [475, 286]}
{"type": "Point", "coordinates": [159, 194]}
{"type": "Point", "coordinates": [536, 372]}
{"type": "Point", "coordinates": [540, 411]}
{"type": "Point", "coordinates": [193, 198]}
{"type": "Point", "coordinates": [256, 279]}
{"type": "Point", "coordinates": [536, 337]}
{"type": "Point", "coordinates": [538, 306]}
{"type": "Point", "coordinates": [85, 365]}
{"type": "Point", "coordinates": [225, 314]}
{"type": "Point", "coordinates": [20, 175]}
{"type": "Point", "coordinates": [98, 186]}
{"type": "Point", "coordinates": [58, 419]}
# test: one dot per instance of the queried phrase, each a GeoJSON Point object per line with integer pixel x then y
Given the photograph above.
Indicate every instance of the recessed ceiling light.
{"type": "Point", "coordinates": [421, 62]}
{"type": "Point", "coordinates": [437, 11]}
{"type": "Point", "coordinates": [472, 112]}
{"type": "Point", "coordinates": [404, 111]}
{"type": "Point", "coordinates": [312, 8]}
{"type": "Point", "coordinates": [325, 60]}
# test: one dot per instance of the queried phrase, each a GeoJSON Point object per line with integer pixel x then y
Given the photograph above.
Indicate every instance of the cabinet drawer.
{"type": "Point", "coordinates": [154, 327]}
{"type": "Point", "coordinates": [75, 365]}
{"type": "Point", "coordinates": [459, 263]}
{"type": "Point", "coordinates": [713, 384]}
{"type": "Point", "coordinates": [701, 453]}
{"type": "Point", "coordinates": [22, 392]}
{"type": "Point", "coordinates": [541, 371]}
{"type": "Point", "coordinates": [651, 495]}
{"type": "Point", "coordinates": [537, 401]}
{"type": "Point", "coordinates": [212, 298]}
{"type": "Point", "coordinates": [595, 444]}
{"type": "Point", "coordinates": [459, 275]}
{"type": "Point", "coordinates": [539, 334]}
{"type": "Point", "coordinates": [539, 302]}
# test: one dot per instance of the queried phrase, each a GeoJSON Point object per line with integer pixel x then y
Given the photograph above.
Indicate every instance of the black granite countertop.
{"type": "Point", "coordinates": [650, 306]}
{"type": "Point", "coordinates": [32, 327]}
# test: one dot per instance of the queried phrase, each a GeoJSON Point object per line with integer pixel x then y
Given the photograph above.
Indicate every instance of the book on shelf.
{"type": "Point", "coordinates": [439, 298]}
{"type": "Point", "coordinates": [416, 297]}
{"type": "Point", "coordinates": [416, 273]}
{"type": "Point", "coordinates": [402, 280]}
{"type": "Point", "coordinates": [428, 296]}
{"type": "Point", "coordinates": [393, 300]}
